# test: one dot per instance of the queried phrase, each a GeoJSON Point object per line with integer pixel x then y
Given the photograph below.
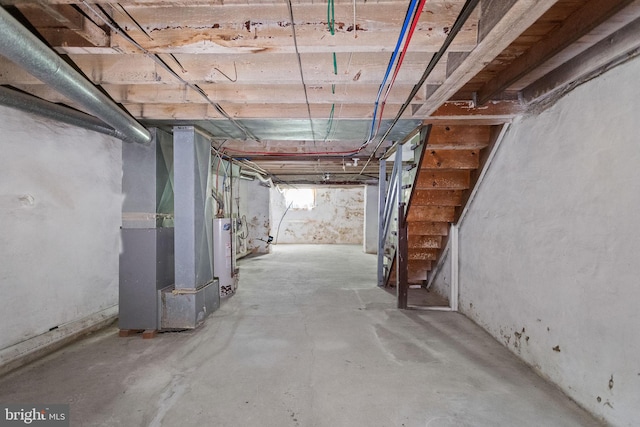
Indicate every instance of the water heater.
{"type": "Point", "coordinates": [224, 257]}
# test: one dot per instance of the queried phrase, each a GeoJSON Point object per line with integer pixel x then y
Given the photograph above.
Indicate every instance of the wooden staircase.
{"type": "Point", "coordinates": [448, 169]}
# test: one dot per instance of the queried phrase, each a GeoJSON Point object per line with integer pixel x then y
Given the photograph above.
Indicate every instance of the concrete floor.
{"type": "Point", "coordinates": [307, 341]}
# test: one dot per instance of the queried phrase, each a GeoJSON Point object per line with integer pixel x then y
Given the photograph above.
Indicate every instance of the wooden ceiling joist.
{"type": "Point", "coordinates": [509, 55]}
{"type": "Point", "coordinates": [507, 28]}
{"type": "Point", "coordinates": [593, 13]}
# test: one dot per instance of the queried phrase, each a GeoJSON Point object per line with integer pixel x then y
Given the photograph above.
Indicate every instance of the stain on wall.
{"type": "Point", "coordinates": [254, 210]}
{"type": "Point", "coordinates": [549, 247]}
{"type": "Point", "coordinates": [337, 218]}
{"type": "Point", "coordinates": [60, 218]}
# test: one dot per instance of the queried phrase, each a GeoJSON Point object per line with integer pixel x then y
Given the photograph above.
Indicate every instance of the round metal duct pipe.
{"type": "Point", "coordinates": [24, 49]}
{"type": "Point", "coordinates": [32, 104]}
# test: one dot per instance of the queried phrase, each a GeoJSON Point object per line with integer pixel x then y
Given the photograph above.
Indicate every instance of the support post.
{"type": "Point", "coordinates": [402, 251]}
{"type": "Point", "coordinates": [382, 191]}
{"type": "Point", "coordinates": [402, 254]}
{"type": "Point", "coordinates": [453, 235]}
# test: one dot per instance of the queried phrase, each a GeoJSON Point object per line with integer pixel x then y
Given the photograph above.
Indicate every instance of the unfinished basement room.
{"type": "Point", "coordinates": [385, 213]}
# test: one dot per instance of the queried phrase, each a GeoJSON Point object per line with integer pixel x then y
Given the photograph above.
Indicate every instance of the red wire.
{"type": "Point", "coordinates": [414, 23]}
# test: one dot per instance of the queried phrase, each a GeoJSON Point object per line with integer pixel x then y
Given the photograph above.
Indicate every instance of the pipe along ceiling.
{"type": "Point", "coordinates": [24, 49]}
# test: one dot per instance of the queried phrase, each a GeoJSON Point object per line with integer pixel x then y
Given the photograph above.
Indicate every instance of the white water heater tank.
{"type": "Point", "coordinates": [223, 265]}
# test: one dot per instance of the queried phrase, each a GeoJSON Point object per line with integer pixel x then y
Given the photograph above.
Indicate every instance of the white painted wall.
{"type": "Point", "coordinates": [254, 207]}
{"type": "Point", "coordinates": [338, 218]}
{"type": "Point", "coordinates": [549, 249]}
{"type": "Point", "coordinates": [441, 283]}
{"type": "Point", "coordinates": [371, 219]}
{"type": "Point", "coordinates": [60, 203]}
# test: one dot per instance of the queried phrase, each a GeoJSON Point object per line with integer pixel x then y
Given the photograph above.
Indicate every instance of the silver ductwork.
{"type": "Point", "coordinates": [33, 104]}
{"type": "Point", "coordinates": [24, 49]}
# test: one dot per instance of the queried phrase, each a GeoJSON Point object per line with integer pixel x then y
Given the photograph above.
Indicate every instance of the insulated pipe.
{"type": "Point", "coordinates": [262, 179]}
{"type": "Point", "coordinates": [32, 104]}
{"type": "Point", "coordinates": [24, 49]}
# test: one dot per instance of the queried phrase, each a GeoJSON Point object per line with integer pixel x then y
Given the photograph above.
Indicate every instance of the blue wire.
{"type": "Point", "coordinates": [405, 25]}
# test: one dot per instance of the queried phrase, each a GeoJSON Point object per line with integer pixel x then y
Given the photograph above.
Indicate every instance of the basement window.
{"type": "Point", "coordinates": [300, 198]}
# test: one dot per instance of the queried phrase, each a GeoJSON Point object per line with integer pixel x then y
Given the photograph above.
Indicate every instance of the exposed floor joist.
{"type": "Point", "coordinates": [205, 62]}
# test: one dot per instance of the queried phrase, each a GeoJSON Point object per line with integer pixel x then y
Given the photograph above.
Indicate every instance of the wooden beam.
{"type": "Point", "coordinates": [449, 159]}
{"type": "Point", "coordinates": [508, 27]}
{"type": "Point", "coordinates": [437, 198]}
{"type": "Point", "coordinates": [263, 69]}
{"type": "Point", "coordinates": [444, 180]}
{"type": "Point", "coordinates": [424, 255]}
{"type": "Point", "coordinates": [505, 110]}
{"type": "Point", "coordinates": [437, 14]}
{"type": "Point", "coordinates": [428, 228]}
{"type": "Point", "coordinates": [496, 112]}
{"type": "Point", "coordinates": [311, 39]}
{"type": "Point", "coordinates": [618, 45]}
{"type": "Point", "coordinates": [177, 3]}
{"type": "Point", "coordinates": [236, 93]}
{"type": "Point", "coordinates": [424, 242]}
{"type": "Point", "coordinates": [63, 24]}
{"type": "Point", "coordinates": [260, 27]}
{"type": "Point", "coordinates": [418, 270]}
{"type": "Point", "coordinates": [253, 111]}
{"type": "Point", "coordinates": [581, 22]}
{"type": "Point", "coordinates": [459, 136]}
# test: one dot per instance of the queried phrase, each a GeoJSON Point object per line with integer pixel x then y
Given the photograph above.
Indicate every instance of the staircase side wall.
{"type": "Point", "coordinates": [549, 250]}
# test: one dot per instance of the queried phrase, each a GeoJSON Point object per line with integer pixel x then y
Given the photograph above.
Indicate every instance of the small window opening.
{"type": "Point", "coordinates": [300, 198]}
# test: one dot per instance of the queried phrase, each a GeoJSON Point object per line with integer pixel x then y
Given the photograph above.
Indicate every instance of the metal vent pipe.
{"type": "Point", "coordinates": [33, 104]}
{"type": "Point", "coordinates": [24, 49]}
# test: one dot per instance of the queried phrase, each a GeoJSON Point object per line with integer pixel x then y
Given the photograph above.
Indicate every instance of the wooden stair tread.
{"type": "Point", "coordinates": [442, 185]}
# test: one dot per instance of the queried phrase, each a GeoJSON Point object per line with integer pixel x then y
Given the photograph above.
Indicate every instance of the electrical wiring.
{"type": "Point", "coordinates": [331, 23]}
{"type": "Point", "coordinates": [304, 86]}
{"type": "Point", "coordinates": [405, 25]}
{"type": "Point", "coordinates": [280, 223]}
{"type": "Point", "coordinates": [414, 23]}
{"type": "Point", "coordinates": [217, 152]}
{"type": "Point", "coordinates": [115, 28]}
{"type": "Point", "coordinates": [330, 124]}
{"type": "Point", "coordinates": [466, 11]}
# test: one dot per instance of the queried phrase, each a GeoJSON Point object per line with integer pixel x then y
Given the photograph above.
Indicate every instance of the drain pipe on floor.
{"type": "Point", "coordinates": [26, 50]}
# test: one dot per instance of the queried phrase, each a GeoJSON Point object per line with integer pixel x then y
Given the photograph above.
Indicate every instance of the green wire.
{"type": "Point", "coordinates": [331, 17]}
{"type": "Point", "coordinates": [331, 22]}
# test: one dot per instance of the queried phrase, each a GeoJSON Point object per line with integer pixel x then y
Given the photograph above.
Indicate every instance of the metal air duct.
{"type": "Point", "coordinates": [23, 48]}
{"type": "Point", "coordinates": [33, 104]}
